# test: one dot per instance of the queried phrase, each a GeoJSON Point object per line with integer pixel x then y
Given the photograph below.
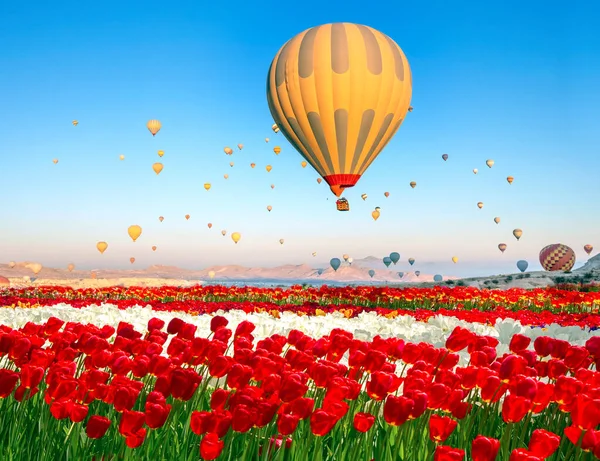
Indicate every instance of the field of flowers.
{"type": "Point", "coordinates": [356, 373]}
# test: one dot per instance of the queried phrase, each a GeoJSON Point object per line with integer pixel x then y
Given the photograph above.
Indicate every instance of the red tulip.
{"type": "Point", "coordinates": [363, 421]}
{"type": "Point", "coordinates": [543, 443]}
{"type": "Point", "coordinates": [484, 448]}
{"type": "Point", "coordinates": [440, 428]}
{"type": "Point", "coordinates": [97, 427]}
{"type": "Point", "coordinates": [445, 453]}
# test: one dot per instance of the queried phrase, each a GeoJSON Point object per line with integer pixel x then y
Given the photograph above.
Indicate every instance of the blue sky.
{"type": "Point", "coordinates": [513, 81]}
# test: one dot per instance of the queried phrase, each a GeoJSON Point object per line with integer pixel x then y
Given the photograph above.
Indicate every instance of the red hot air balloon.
{"type": "Point", "coordinates": [557, 257]}
{"type": "Point", "coordinates": [588, 248]}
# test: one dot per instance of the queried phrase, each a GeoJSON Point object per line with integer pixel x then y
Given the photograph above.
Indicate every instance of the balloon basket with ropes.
{"type": "Point", "coordinates": [342, 204]}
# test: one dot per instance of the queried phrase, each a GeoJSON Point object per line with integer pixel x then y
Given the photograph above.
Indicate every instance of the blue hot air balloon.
{"type": "Point", "coordinates": [411, 261]}
{"type": "Point", "coordinates": [319, 271]}
{"type": "Point", "coordinates": [387, 261]}
{"type": "Point", "coordinates": [417, 273]}
{"type": "Point", "coordinates": [395, 257]}
{"type": "Point", "coordinates": [522, 265]}
{"type": "Point", "coordinates": [335, 263]}
{"type": "Point", "coordinates": [401, 274]}
{"type": "Point", "coordinates": [371, 273]}
{"type": "Point", "coordinates": [438, 278]}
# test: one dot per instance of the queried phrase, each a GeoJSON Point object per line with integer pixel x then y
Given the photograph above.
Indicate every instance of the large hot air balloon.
{"type": "Point", "coordinates": [371, 273]}
{"type": "Point", "coordinates": [236, 236]}
{"type": "Point", "coordinates": [557, 257]}
{"type": "Point", "coordinates": [445, 157]}
{"type": "Point", "coordinates": [335, 263]}
{"type": "Point", "coordinates": [489, 163]}
{"type": "Point", "coordinates": [454, 259]}
{"type": "Point", "coordinates": [325, 91]}
{"type": "Point", "coordinates": [70, 267]}
{"type": "Point", "coordinates": [157, 167]}
{"type": "Point", "coordinates": [102, 246]}
{"type": "Point", "coordinates": [517, 233]}
{"type": "Point", "coordinates": [395, 257]}
{"type": "Point", "coordinates": [134, 232]}
{"type": "Point", "coordinates": [437, 278]}
{"type": "Point", "coordinates": [510, 179]}
{"type": "Point", "coordinates": [411, 261]}
{"type": "Point", "coordinates": [502, 247]}
{"type": "Point", "coordinates": [35, 267]}
{"type": "Point", "coordinates": [588, 248]}
{"type": "Point", "coordinates": [387, 261]}
{"type": "Point", "coordinates": [153, 126]}
{"type": "Point", "coordinates": [497, 220]}
{"type": "Point", "coordinates": [522, 265]}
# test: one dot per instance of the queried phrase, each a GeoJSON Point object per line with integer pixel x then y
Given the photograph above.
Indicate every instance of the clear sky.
{"type": "Point", "coordinates": [513, 81]}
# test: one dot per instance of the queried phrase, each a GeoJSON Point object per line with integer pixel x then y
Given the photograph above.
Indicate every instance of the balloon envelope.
{"type": "Point", "coordinates": [395, 257]}
{"type": "Point", "coordinates": [411, 261]}
{"type": "Point", "coordinates": [417, 273]}
{"type": "Point", "coordinates": [387, 261]}
{"type": "Point", "coordinates": [157, 167]}
{"type": "Point", "coordinates": [401, 274]}
{"type": "Point", "coordinates": [517, 233]}
{"type": "Point", "coordinates": [236, 236]}
{"type": "Point", "coordinates": [134, 232]}
{"type": "Point", "coordinates": [588, 248]}
{"type": "Point", "coordinates": [445, 157]}
{"type": "Point", "coordinates": [557, 257]}
{"type": "Point", "coordinates": [438, 278]}
{"type": "Point", "coordinates": [522, 265]}
{"type": "Point", "coordinates": [371, 273]}
{"type": "Point", "coordinates": [324, 90]}
{"type": "Point", "coordinates": [102, 246]}
{"type": "Point", "coordinates": [153, 126]}
{"type": "Point", "coordinates": [335, 263]}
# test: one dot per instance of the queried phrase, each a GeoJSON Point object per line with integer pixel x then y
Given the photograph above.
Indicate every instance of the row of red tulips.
{"type": "Point", "coordinates": [291, 397]}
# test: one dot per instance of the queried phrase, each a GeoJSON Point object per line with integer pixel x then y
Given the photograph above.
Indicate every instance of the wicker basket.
{"type": "Point", "coordinates": [342, 204]}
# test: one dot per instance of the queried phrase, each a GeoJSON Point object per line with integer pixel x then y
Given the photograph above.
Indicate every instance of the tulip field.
{"type": "Point", "coordinates": [300, 373]}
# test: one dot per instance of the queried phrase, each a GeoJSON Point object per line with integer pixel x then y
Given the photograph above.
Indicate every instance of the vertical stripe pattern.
{"type": "Point", "coordinates": [339, 92]}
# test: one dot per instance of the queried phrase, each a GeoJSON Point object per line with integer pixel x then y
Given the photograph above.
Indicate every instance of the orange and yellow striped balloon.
{"type": "Point", "coordinates": [339, 92]}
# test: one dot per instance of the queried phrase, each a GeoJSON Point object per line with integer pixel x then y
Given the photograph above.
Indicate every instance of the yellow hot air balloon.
{"type": "Point", "coordinates": [269, 208]}
{"type": "Point", "coordinates": [131, 260]}
{"type": "Point", "coordinates": [157, 167]}
{"type": "Point", "coordinates": [228, 150]}
{"type": "Point", "coordinates": [240, 146]}
{"type": "Point", "coordinates": [223, 233]}
{"type": "Point", "coordinates": [346, 256]}
{"type": "Point", "coordinates": [319, 180]}
{"type": "Point", "coordinates": [161, 153]}
{"type": "Point", "coordinates": [277, 150]}
{"type": "Point", "coordinates": [207, 185]}
{"type": "Point", "coordinates": [489, 163]}
{"type": "Point", "coordinates": [134, 232]}
{"type": "Point", "coordinates": [314, 253]}
{"type": "Point", "coordinates": [75, 123]}
{"type": "Point", "coordinates": [236, 236]}
{"type": "Point", "coordinates": [187, 217]}
{"type": "Point", "coordinates": [275, 128]}
{"type": "Point", "coordinates": [211, 274]}
{"type": "Point", "coordinates": [376, 213]}
{"type": "Point", "coordinates": [281, 241]}
{"type": "Point", "coordinates": [413, 184]}
{"type": "Point", "coordinates": [55, 161]}
{"type": "Point", "coordinates": [252, 165]}
{"type": "Point", "coordinates": [497, 220]}
{"type": "Point", "coordinates": [502, 247]}
{"type": "Point", "coordinates": [231, 164]}
{"type": "Point", "coordinates": [480, 205]}
{"type": "Point", "coordinates": [517, 233]}
{"type": "Point", "coordinates": [272, 186]}
{"type": "Point", "coordinates": [35, 267]}
{"type": "Point", "coordinates": [454, 259]}
{"type": "Point", "coordinates": [269, 168]}
{"type": "Point", "coordinates": [364, 196]}
{"type": "Point", "coordinates": [339, 92]}
{"type": "Point", "coordinates": [475, 170]}
{"type": "Point", "coordinates": [153, 126]}
{"type": "Point", "coordinates": [209, 225]}
{"type": "Point", "coordinates": [510, 179]}
{"type": "Point", "coordinates": [121, 157]}
{"type": "Point", "coordinates": [154, 248]}
{"type": "Point", "coordinates": [266, 139]}
{"type": "Point", "coordinates": [161, 219]}
{"type": "Point", "coordinates": [70, 267]}
{"type": "Point", "coordinates": [102, 246]}
{"type": "Point", "coordinates": [226, 176]}
{"type": "Point", "coordinates": [387, 194]}
{"type": "Point", "coordinates": [303, 164]}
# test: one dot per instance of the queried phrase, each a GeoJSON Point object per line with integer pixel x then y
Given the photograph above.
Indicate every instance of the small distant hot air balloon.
{"type": "Point", "coordinates": [153, 126]}
{"type": "Point", "coordinates": [209, 225]}
{"type": "Point", "coordinates": [252, 165]}
{"type": "Point", "coordinates": [557, 257]}
{"type": "Point", "coordinates": [93, 275]}
{"type": "Point", "coordinates": [345, 256]}
{"type": "Point", "coordinates": [387, 261]}
{"type": "Point", "coordinates": [411, 108]}
{"type": "Point", "coordinates": [281, 241]}
{"type": "Point", "coordinates": [376, 213]}
{"type": "Point", "coordinates": [395, 257]}
{"type": "Point", "coordinates": [364, 196]}
{"type": "Point", "coordinates": [211, 274]}
{"type": "Point", "coordinates": [223, 233]}
{"type": "Point", "coordinates": [268, 168]}
{"type": "Point", "coordinates": [475, 170]}
{"type": "Point", "coordinates": [121, 157]}
{"type": "Point", "coordinates": [266, 139]}
{"type": "Point", "coordinates": [228, 150]}
{"type": "Point", "coordinates": [275, 128]}
{"type": "Point", "coordinates": [12, 264]}
{"type": "Point", "coordinates": [303, 164]}
{"type": "Point", "coordinates": [437, 278]}
{"type": "Point", "coordinates": [445, 157]}
{"type": "Point", "coordinates": [480, 205]}
{"type": "Point", "coordinates": [226, 176]}
{"type": "Point", "coordinates": [161, 153]}
{"type": "Point", "coordinates": [454, 259]}
{"type": "Point", "coordinates": [502, 247]}
{"type": "Point", "coordinates": [70, 267]}
{"type": "Point", "coordinates": [411, 261]}
{"type": "Point", "coordinates": [207, 185]}
{"type": "Point", "coordinates": [157, 167]}
{"type": "Point", "coordinates": [588, 248]}
{"type": "Point", "coordinates": [102, 246]}
{"type": "Point", "coordinates": [510, 179]}
{"type": "Point", "coordinates": [27, 279]}
{"type": "Point", "coordinates": [350, 260]}
{"type": "Point", "coordinates": [35, 267]}
{"type": "Point", "coordinates": [240, 146]}
{"type": "Point", "coordinates": [75, 122]}
{"type": "Point", "coordinates": [269, 208]}
{"type": "Point", "coordinates": [497, 220]}
{"type": "Point", "coordinates": [134, 232]}
{"type": "Point", "coordinates": [417, 273]}
{"type": "Point", "coordinates": [522, 265]}
{"type": "Point", "coordinates": [413, 184]}
{"type": "Point", "coordinates": [231, 164]}
{"type": "Point", "coordinates": [517, 233]}
{"type": "Point", "coordinates": [319, 180]}
{"type": "Point", "coordinates": [161, 219]}
{"type": "Point", "coordinates": [272, 186]}
{"type": "Point", "coordinates": [132, 260]}
{"type": "Point", "coordinates": [154, 248]}
{"type": "Point", "coordinates": [187, 217]}
{"type": "Point", "coordinates": [236, 236]}
{"type": "Point", "coordinates": [335, 263]}
{"type": "Point", "coordinates": [277, 150]}
{"type": "Point", "coordinates": [371, 273]}
{"type": "Point", "coordinates": [55, 161]}
{"type": "Point", "coordinates": [400, 274]}
{"type": "Point", "coordinates": [489, 163]}
{"type": "Point", "coordinates": [387, 194]}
